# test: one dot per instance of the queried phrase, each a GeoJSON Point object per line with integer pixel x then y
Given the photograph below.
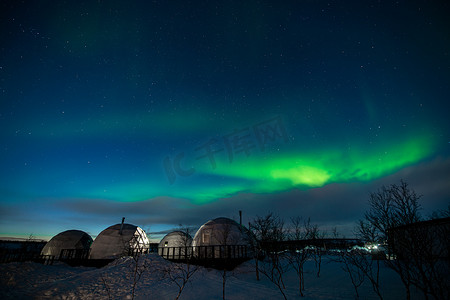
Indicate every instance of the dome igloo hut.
{"type": "Point", "coordinates": [176, 245]}
{"type": "Point", "coordinates": [74, 240]}
{"type": "Point", "coordinates": [119, 240]}
{"type": "Point", "coordinates": [222, 238]}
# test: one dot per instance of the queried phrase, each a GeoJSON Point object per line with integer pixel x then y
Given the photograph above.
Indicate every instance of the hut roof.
{"type": "Point", "coordinates": [220, 231]}
{"type": "Point", "coordinates": [118, 240]}
{"type": "Point", "coordinates": [70, 239]}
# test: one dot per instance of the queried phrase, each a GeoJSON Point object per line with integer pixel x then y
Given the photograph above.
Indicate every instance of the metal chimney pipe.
{"type": "Point", "coordinates": [240, 218]}
{"type": "Point", "coordinates": [121, 226]}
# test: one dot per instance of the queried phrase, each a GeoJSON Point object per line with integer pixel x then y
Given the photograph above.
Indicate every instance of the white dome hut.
{"type": "Point", "coordinates": [175, 245]}
{"type": "Point", "coordinates": [119, 240]}
{"type": "Point", "coordinates": [221, 238]}
{"type": "Point", "coordinates": [70, 239]}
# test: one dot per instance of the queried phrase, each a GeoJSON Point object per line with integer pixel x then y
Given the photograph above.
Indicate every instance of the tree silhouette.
{"type": "Point", "coordinates": [414, 248]}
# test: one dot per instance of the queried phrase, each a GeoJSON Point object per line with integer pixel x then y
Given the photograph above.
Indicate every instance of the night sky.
{"type": "Point", "coordinates": [176, 112]}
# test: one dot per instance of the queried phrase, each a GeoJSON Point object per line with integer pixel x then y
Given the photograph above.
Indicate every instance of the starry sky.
{"type": "Point", "coordinates": [177, 112]}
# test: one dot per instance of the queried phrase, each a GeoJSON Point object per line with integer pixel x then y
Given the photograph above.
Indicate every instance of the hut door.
{"type": "Point", "coordinates": [206, 237]}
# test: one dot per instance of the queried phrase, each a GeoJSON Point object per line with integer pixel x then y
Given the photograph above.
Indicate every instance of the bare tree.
{"type": "Point", "coordinates": [316, 236]}
{"type": "Point", "coordinates": [370, 268]}
{"type": "Point", "coordinates": [359, 265]}
{"type": "Point", "coordinates": [269, 232]}
{"type": "Point", "coordinates": [392, 218]}
{"type": "Point", "coordinates": [224, 238]}
{"type": "Point", "coordinates": [136, 247]}
{"type": "Point", "coordinates": [441, 213]}
{"type": "Point", "coordinates": [349, 263]}
{"type": "Point", "coordinates": [227, 237]}
{"type": "Point", "coordinates": [181, 273]}
{"type": "Point", "coordinates": [106, 285]}
{"type": "Point", "coordinates": [301, 232]}
{"type": "Point", "coordinates": [139, 267]}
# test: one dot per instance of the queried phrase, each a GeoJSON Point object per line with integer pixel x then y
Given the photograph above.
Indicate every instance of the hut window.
{"type": "Point", "coordinates": [166, 244]}
{"type": "Point", "coordinates": [206, 236]}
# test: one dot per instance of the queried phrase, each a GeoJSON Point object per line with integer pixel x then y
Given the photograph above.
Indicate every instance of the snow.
{"type": "Point", "coordinates": [59, 281]}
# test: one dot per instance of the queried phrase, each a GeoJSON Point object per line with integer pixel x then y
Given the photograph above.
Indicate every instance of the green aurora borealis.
{"type": "Point", "coordinates": [274, 172]}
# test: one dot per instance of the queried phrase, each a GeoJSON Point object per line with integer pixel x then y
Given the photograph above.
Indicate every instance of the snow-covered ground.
{"type": "Point", "coordinates": [60, 281]}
